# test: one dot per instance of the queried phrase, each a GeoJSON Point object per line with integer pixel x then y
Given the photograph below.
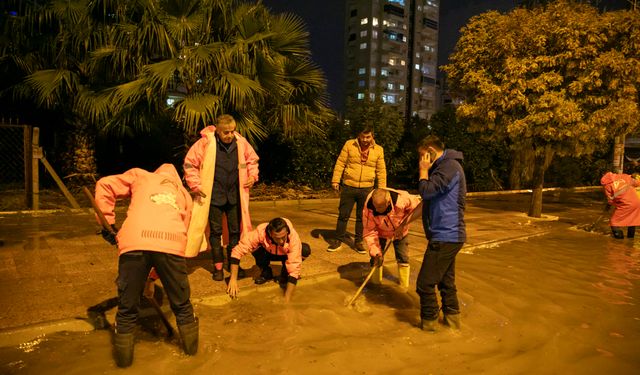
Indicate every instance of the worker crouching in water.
{"type": "Point", "coordinates": [621, 193]}
{"type": "Point", "coordinates": [386, 215]}
{"type": "Point", "coordinates": [276, 240]}
{"type": "Point", "coordinates": [154, 234]}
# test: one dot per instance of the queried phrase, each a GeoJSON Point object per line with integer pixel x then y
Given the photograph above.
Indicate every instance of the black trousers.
{"type": "Point", "coordinates": [438, 269]}
{"type": "Point", "coordinates": [133, 269]}
{"type": "Point", "coordinates": [215, 225]}
{"type": "Point", "coordinates": [348, 197]}
{"type": "Point", "coordinates": [264, 258]}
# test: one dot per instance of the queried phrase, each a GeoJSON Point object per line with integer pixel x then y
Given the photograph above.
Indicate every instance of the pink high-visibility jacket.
{"type": "Point", "coordinates": [258, 237]}
{"type": "Point", "coordinates": [159, 211]}
{"type": "Point", "coordinates": [199, 172]}
{"type": "Point", "coordinates": [376, 226]}
{"type": "Point", "coordinates": [621, 193]}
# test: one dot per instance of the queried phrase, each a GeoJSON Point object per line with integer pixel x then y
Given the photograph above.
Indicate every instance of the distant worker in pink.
{"type": "Point", "coordinates": [154, 234]}
{"type": "Point", "coordinates": [220, 168]}
{"type": "Point", "coordinates": [621, 193]}
{"type": "Point", "coordinates": [387, 213]}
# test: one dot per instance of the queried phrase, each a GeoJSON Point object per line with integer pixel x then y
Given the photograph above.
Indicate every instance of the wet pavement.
{"type": "Point", "coordinates": [53, 266]}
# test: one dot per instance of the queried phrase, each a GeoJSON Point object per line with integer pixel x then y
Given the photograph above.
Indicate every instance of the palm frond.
{"type": "Point", "coordinates": [239, 89]}
{"type": "Point", "coordinates": [160, 75]}
{"type": "Point", "coordinates": [196, 111]}
{"type": "Point", "coordinates": [290, 36]}
{"type": "Point", "coordinates": [52, 85]}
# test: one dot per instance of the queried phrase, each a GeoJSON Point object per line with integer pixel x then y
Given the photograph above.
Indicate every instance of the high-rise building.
{"type": "Point", "coordinates": [392, 51]}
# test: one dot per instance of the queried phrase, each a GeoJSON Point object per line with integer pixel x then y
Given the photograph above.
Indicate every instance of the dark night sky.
{"type": "Point", "coordinates": [325, 22]}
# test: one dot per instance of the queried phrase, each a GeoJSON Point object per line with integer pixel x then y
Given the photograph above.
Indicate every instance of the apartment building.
{"type": "Point", "coordinates": [392, 51]}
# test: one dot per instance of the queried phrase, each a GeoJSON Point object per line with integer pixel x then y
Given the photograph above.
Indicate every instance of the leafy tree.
{"type": "Point", "coordinates": [114, 64]}
{"type": "Point", "coordinates": [211, 57]}
{"type": "Point", "coordinates": [555, 80]}
{"type": "Point", "coordinates": [44, 45]}
{"type": "Point", "coordinates": [485, 161]}
{"type": "Point", "coordinates": [387, 125]}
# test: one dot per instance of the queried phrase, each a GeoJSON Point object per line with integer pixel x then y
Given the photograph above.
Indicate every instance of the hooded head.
{"type": "Point", "coordinates": [607, 179]}
{"type": "Point", "coordinates": [169, 171]}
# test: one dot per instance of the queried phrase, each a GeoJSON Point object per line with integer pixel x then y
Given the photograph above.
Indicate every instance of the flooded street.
{"type": "Point", "coordinates": [564, 303]}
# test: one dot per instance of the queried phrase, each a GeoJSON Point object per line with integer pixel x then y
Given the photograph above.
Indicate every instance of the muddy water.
{"type": "Point", "coordinates": [566, 303]}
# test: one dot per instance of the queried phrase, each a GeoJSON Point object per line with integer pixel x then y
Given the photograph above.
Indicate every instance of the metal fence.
{"type": "Point", "coordinates": [13, 155]}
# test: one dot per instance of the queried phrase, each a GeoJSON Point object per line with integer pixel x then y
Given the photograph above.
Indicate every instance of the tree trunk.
{"type": "Point", "coordinates": [542, 162]}
{"type": "Point", "coordinates": [79, 157]}
{"type": "Point", "coordinates": [618, 154]}
{"type": "Point", "coordinates": [521, 167]}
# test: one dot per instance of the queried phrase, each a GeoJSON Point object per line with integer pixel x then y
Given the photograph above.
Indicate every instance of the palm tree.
{"type": "Point", "coordinates": [120, 66]}
{"type": "Point", "coordinates": [205, 58]}
{"type": "Point", "coordinates": [45, 44]}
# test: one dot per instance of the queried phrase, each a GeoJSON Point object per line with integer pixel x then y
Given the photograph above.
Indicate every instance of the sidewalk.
{"type": "Point", "coordinates": [53, 266]}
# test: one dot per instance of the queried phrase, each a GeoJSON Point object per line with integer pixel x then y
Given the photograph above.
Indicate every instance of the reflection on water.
{"type": "Point", "coordinates": [620, 268]}
{"type": "Point", "coordinates": [564, 303]}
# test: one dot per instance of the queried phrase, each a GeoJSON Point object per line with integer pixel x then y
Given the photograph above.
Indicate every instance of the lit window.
{"type": "Point", "coordinates": [362, 71]}
{"type": "Point", "coordinates": [392, 62]}
{"type": "Point", "coordinates": [384, 72]}
{"type": "Point", "coordinates": [402, 62]}
{"type": "Point", "coordinates": [373, 72]}
{"type": "Point", "coordinates": [389, 86]}
{"type": "Point", "coordinates": [417, 65]}
{"type": "Point", "coordinates": [416, 90]}
{"type": "Point", "coordinates": [404, 38]}
{"type": "Point", "coordinates": [418, 55]}
{"type": "Point", "coordinates": [374, 34]}
{"type": "Point", "coordinates": [360, 95]}
{"type": "Point", "coordinates": [364, 21]}
{"type": "Point", "coordinates": [363, 45]}
{"type": "Point", "coordinates": [363, 33]}
{"type": "Point", "coordinates": [374, 21]}
{"type": "Point", "coordinates": [372, 96]}
{"type": "Point", "coordinates": [385, 23]}
{"type": "Point", "coordinates": [401, 87]}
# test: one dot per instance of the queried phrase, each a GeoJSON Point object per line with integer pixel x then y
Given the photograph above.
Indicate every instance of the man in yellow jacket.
{"type": "Point", "coordinates": [359, 165]}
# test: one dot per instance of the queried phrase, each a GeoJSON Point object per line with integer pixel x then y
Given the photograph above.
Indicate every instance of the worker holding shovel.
{"type": "Point", "coordinates": [387, 213]}
{"type": "Point", "coordinates": [154, 234]}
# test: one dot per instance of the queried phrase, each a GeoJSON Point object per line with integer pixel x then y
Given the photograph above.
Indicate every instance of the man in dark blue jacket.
{"type": "Point", "coordinates": [443, 188]}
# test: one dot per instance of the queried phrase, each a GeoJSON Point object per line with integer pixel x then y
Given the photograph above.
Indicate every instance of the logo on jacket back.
{"type": "Point", "coordinates": [165, 198]}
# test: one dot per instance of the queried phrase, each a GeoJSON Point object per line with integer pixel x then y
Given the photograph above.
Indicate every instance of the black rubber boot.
{"type": "Point", "coordinates": [123, 349]}
{"type": "Point", "coordinates": [631, 232]}
{"type": "Point", "coordinates": [189, 334]}
{"type": "Point", "coordinates": [617, 233]}
{"type": "Point", "coordinates": [217, 275]}
{"type": "Point", "coordinates": [265, 275]}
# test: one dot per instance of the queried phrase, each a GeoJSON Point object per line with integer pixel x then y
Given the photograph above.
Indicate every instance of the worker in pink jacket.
{"type": "Point", "coordinates": [621, 193]}
{"type": "Point", "coordinates": [386, 215]}
{"type": "Point", "coordinates": [220, 168]}
{"type": "Point", "coordinates": [276, 240]}
{"type": "Point", "coordinates": [153, 234]}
